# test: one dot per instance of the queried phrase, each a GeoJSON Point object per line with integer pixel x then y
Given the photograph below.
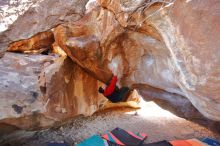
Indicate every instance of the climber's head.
{"type": "Point", "coordinates": [101, 90]}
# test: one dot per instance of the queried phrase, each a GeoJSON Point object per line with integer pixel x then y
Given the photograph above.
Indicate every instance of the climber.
{"type": "Point", "coordinates": [113, 93]}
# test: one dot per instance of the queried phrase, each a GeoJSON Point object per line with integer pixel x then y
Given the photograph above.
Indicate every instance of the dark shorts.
{"type": "Point", "coordinates": [124, 93]}
{"type": "Point", "coordinates": [119, 95]}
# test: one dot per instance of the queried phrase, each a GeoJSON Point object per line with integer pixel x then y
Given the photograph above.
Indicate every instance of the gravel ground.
{"type": "Point", "coordinates": [158, 123]}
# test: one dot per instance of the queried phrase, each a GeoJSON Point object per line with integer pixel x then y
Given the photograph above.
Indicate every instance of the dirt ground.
{"type": "Point", "coordinates": [158, 123]}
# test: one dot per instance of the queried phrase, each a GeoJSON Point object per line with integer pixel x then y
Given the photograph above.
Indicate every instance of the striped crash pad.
{"type": "Point", "coordinates": [117, 137]}
{"type": "Point", "coordinates": [123, 137]}
{"type": "Point", "coordinates": [195, 142]}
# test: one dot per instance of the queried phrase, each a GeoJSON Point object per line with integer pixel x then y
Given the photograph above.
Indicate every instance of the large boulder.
{"type": "Point", "coordinates": [188, 60]}
{"type": "Point", "coordinates": [39, 91]}
{"type": "Point", "coordinates": [149, 44]}
{"type": "Point", "coordinates": [196, 53]}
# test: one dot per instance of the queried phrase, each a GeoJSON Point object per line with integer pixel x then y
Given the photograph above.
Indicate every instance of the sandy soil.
{"type": "Point", "coordinates": [158, 123]}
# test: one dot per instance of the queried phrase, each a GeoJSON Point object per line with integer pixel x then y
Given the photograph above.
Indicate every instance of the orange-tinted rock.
{"type": "Point", "coordinates": [39, 91]}
{"type": "Point", "coordinates": [86, 41]}
{"type": "Point", "coordinates": [57, 50]}
{"type": "Point", "coordinates": [37, 43]}
{"type": "Point", "coordinates": [153, 55]}
{"type": "Point", "coordinates": [78, 95]}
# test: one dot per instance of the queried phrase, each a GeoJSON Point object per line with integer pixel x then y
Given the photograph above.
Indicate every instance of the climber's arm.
{"type": "Point", "coordinates": [111, 87]}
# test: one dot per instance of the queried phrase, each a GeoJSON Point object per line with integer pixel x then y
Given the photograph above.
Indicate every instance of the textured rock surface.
{"type": "Point", "coordinates": [25, 18]}
{"type": "Point", "coordinates": [40, 90]}
{"type": "Point", "coordinates": [159, 52]}
{"type": "Point", "coordinates": [197, 53]}
{"type": "Point", "coordinates": [10, 10]}
{"type": "Point", "coordinates": [86, 41]}
{"type": "Point", "coordinates": [20, 93]}
{"type": "Point", "coordinates": [180, 67]}
{"type": "Point", "coordinates": [39, 42]}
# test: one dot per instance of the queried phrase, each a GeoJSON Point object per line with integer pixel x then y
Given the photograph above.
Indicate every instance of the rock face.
{"type": "Point", "coordinates": [25, 18]}
{"type": "Point", "coordinates": [40, 90]}
{"type": "Point", "coordinates": [86, 41]}
{"type": "Point", "coordinates": [178, 64]}
{"type": "Point", "coordinates": [158, 44]}
{"type": "Point", "coordinates": [197, 53]}
{"type": "Point", "coordinates": [150, 47]}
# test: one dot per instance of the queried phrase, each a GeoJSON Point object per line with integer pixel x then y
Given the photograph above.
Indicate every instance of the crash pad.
{"type": "Point", "coordinates": [124, 137]}
{"type": "Point", "coordinates": [211, 141]}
